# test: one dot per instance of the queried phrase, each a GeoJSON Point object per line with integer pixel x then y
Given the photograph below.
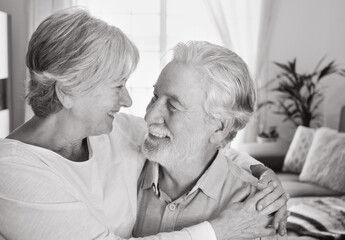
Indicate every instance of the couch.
{"type": "Point", "coordinates": [316, 211]}
{"type": "Point", "coordinates": [272, 154]}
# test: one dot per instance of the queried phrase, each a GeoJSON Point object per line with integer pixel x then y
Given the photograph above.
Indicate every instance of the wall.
{"type": "Point", "coordinates": [18, 11]}
{"type": "Point", "coordinates": [305, 29]}
{"type": "Point", "coordinates": [308, 30]}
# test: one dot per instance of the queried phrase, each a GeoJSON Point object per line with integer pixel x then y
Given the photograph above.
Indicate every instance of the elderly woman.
{"type": "Point", "coordinates": [71, 171]}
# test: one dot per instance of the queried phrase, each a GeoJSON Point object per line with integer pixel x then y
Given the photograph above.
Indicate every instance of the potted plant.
{"type": "Point", "coordinates": [299, 95]}
{"type": "Point", "coordinates": [267, 135]}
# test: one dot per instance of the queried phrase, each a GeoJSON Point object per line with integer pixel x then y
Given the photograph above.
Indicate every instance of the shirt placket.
{"type": "Point", "coordinates": [171, 212]}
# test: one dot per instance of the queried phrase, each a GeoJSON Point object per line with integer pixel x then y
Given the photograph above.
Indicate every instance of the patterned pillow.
{"type": "Point", "coordinates": [298, 150]}
{"type": "Point", "coordinates": [325, 163]}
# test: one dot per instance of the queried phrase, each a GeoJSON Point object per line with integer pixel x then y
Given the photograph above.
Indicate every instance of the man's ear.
{"type": "Point", "coordinates": [220, 133]}
{"type": "Point", "coordinates": [66, 101]}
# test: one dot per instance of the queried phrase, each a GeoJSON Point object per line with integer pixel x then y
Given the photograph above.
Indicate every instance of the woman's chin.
{"type": "Point", "coordinates": [106, 129]}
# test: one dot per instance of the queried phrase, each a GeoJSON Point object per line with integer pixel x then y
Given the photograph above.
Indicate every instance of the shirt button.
{"type": "Point", "coordinates": [172, 206]}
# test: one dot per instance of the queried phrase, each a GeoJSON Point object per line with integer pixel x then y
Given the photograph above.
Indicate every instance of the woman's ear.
{"type": "Point", "coordinates": [65, 100]}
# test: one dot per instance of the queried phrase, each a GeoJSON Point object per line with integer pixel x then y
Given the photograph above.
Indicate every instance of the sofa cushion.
{"type": "Point", "coordinates": [298, 149]}
{"type": "Point", "coordinates": [301, 189]}
{"type": "Point", "coordinates": [325, 162]}
{"type": "Point", "coordinates": [292, 177]}
{"type": "Point", "coordinates": [270, 154]}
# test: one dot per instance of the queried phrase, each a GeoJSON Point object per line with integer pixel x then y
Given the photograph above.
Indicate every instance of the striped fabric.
{"type": "Point", "coordinates": [320, 217]}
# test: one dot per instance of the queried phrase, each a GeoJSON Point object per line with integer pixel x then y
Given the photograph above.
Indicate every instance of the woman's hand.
{"type": "Point", "coordinates": [243, 221]}
{"type": "Point", "coordinates": [280, 217]}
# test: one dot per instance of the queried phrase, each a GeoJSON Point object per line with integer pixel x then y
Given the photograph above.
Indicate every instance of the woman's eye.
{"type": "Point", "coordinates": [154, 98]}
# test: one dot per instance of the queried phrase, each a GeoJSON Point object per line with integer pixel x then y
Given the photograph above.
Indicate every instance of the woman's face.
{"type": "Point", "coordinates": [95, 111]}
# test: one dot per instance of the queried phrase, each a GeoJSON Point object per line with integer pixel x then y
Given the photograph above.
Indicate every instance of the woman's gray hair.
{"type": "Point", "coordinates": [72, 52]}
{"type": "Point", "coordinates": [230, 91]}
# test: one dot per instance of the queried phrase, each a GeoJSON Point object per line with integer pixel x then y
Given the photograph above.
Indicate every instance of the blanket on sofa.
{"type": "Point", "coordinates": [319, 217]}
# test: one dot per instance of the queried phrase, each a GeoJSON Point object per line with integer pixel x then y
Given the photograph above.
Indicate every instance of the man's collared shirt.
{"type": "Point", "coordinates": [223, 182]}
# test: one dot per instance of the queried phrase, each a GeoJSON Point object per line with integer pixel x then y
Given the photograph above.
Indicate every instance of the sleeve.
{"type": "Point", "coordinates": [35, 204]}
{"type": "Point", "coordinates": [201, 231]}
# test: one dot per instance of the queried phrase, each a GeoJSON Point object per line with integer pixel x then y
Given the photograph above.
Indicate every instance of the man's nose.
{"type": "Point", "coordinates": [155, 113]}
{"type": "Point", "coordinates": [126, 100]}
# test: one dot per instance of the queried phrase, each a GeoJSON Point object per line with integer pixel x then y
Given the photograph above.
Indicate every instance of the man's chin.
{"type": "Point", "coordinates": [154, 154]}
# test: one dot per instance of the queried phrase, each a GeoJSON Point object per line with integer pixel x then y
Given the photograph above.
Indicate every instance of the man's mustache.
{"type": "Point", "coordinates": [159, 130]}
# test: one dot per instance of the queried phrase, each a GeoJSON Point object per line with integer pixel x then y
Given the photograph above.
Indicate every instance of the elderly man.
{"type": "Point", "coordinates": [202, 98]}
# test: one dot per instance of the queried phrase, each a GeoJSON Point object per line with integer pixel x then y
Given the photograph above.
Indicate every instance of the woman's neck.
{"type": "Point", "coordinates": [49, 133]}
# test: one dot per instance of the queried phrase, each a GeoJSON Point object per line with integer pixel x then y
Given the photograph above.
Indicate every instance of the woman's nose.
{"type": "Point", "coordinates": [126, 100]}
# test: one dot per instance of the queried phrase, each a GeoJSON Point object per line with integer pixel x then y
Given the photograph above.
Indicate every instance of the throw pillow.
{"type": "Point", "coordinates": [298, 150]}
{"type": "Point", "coordinates": [325, 161]}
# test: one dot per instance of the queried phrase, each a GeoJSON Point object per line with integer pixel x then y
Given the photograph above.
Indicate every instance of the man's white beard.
{"type": "Point", "coordinates": [172, 155]}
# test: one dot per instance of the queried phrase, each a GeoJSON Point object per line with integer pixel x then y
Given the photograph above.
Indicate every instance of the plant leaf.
{"type": "Point", "coordinates": [327, 70]}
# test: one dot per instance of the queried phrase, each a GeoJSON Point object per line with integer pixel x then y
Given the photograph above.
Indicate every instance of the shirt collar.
{"type": "Point", "coordinates": [210, 182]}
{"type": "Point", "coordinates": [151, 176]}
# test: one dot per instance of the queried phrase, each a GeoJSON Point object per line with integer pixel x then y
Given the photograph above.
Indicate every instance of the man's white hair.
{"type": "Point", "coordinates": [72, 52]}
{"type": "Point", "coordinates": [230, 91]}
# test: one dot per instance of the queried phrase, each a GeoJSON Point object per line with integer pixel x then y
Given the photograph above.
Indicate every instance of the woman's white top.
{"type": "Point", "coordinates": [45, 196]}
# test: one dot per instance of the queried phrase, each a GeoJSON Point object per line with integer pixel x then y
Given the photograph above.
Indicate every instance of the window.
{"type": "Point", "coordinates": [155, 27]}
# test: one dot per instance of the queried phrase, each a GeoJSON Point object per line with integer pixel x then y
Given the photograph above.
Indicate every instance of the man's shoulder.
{"type": "Point", "coordinates": [234, 183]}
{"type": "Point", "coordinates": [235, 170]}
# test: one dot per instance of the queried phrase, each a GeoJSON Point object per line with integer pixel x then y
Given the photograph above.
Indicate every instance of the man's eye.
{"type": "Point", "coordinates": [172, 107]}
{"type": "Point", "coordinates": [152, 101]}
{"type": "Point", "coordinates": [120, 86]}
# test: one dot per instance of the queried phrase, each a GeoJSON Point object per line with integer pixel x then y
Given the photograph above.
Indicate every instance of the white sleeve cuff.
{"type": "Point", "coordinates": [202, 231]}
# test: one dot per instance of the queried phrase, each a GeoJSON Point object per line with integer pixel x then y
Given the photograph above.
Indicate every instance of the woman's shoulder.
{"type": "Point", "coordinates": [14, 152]}
{"type": "Point", "coordinates": [125, 120]}
{"type": "Point", "coordinates": [16, 156]}
{"type": "Point", "coordinates": [10, 148]}
{"type": "Point", "coordinates": [26, 177]}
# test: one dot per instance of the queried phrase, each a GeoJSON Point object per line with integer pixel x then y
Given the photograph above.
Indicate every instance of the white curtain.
{"type": "Point", "coordinates": [40, 10]}
{"type": "Point", "coordinates": [245, 26]}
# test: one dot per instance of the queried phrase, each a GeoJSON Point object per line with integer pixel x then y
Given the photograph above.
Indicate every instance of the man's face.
{"type": "Point", "coordinates": [179, 129]}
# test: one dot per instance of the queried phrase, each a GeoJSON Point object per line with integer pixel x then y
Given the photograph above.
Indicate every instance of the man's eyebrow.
{"type": "Point", "coordinates": [173, 97]}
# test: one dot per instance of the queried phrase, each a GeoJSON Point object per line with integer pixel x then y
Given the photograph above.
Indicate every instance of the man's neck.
{"type": "Point", "coordinates": [176, 182]}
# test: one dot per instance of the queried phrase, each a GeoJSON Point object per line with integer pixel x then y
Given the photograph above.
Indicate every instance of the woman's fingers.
{"type": "Point", "coordinates": [275, 206]}
{"type": "Point", "coordinates": [279, 217]}
{"type": "Point", "coordinates": [261, 194]}
{"type": "Point", "coordinates": [282, 224]}
{"type": "Point", "coordinates": [270, 198]}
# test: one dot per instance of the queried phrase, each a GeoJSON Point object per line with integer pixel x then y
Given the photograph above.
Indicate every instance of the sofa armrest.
{"type": "Point", "coordinates": [271, 154]}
